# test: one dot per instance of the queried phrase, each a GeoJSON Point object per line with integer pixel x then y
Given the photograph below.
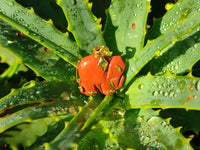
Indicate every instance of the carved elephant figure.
{"type": "Point", "coordinates": [93, 78]}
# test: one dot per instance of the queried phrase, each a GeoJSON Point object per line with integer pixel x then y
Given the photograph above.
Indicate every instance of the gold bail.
{"type": "Point", "coordinates": [101, 51]}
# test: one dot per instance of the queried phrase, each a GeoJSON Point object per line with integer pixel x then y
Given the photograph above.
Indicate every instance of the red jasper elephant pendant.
{"type": "Point", "coordinates": [100, 72]}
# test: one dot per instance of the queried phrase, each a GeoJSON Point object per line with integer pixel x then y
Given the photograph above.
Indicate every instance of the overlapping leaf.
{"type": "Point", "coordinates": [40, 30]}
{"type": "Point", "coordinates": [45, 64]}
{"type": "Point", "coordinates": [83, 24]}
{"type": "Point", "coordinates": [185, 52]}
{"type": "Point", "coordinates": [137, 129]}
{"type": "Point", "coordinates": [126, 26]}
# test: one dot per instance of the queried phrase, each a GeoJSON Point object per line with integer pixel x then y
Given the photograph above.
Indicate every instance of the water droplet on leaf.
{"type": "Point", "coordinates": [141, 86]}
{"type": "Point", "coordinates": [197, 85]}
{"type": "Point", "coordinates": [155, 93]}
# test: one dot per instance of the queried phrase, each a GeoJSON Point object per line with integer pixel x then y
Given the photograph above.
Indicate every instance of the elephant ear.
{"type": "Point", "coordinates": [116, 67]}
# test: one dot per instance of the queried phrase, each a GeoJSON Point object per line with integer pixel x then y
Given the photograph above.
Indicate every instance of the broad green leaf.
{"type": "Point", "coordinates": [46, 64]}
{"type": "Point", "coordinates": [36, 92]}
{"type": "Point", "coordinates": [158, 133]}
{"type": "Point", "coordinates": [165, 91]}
{"type": "Point", "coordinates": [181, 57]}
{"type": "Point", "coordinates": [83, 24]}
{"type": "Point", "coordinates": [180, 12]}
{"type": "Point", "coordinates": [169, 39]}
{"type": "Point", "coordinates": [40, 30]}
{"type": "Point", "coordinates": [126, 26]}
{"type": "Point", "coordinates": [32, 113]}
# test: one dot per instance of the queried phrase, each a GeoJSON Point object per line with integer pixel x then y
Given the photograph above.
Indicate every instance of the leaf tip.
{"type": "Point", "coordinates": [168, 6]}
{"type": "Point", "coordinates": [46, 145]}
{"type": "Point", "coordinates": [90, 5]}
{"type": "Point", "coordinates": [49, 21]}
{"type": "Point", "coordinates": [58, 2]}
{"type": "Point", "coordinates": [32, 10]}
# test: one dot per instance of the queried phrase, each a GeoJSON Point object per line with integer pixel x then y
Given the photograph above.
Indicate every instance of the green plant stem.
{"type": "Point", "coordinates": [101, 106]}
{"type": "Point", "coordinates": [80, 122]}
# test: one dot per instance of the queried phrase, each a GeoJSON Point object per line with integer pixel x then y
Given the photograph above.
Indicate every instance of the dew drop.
{"type": "Point", "coordinates": [178, 90]}
{"type": "Point", "coordinates": [166, 94]}
{"type": "Point", "coordinates": [141, 86]}
{"type": "Point", "coordinates": [159, 86]}
{"type": "Point", "coordinates": [17, 11]}
{"type": "Point", "coordinates": [27, 25]}
{"type": "Point", "coordinates": [171, 93]}
{"type": "Point", "coordinates": [21, 20]}
{"type": "Point", "coordinates": [3, 12]}
{"type": "Point", "coordinates": [165, 85]}
{"type": "Point", "coordinates": [38, 92]}
{"type": "Point", "coordinates": [72, 78]}
{"type": "Point", "coordinates": [9, 3]}
{"type": "Point", "coordinates": [155, 93]}
{"type": "Point", "coordinates": [197, 85]}
{"type": "Point", "coordinates": [154, 84]}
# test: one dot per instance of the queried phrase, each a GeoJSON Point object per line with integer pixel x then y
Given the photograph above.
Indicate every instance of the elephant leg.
{"type": "Point", "coordinates": [88, 89]}
{"type": "Point", "coordinates": [107, 88]}
{"type": "Point", "coordinates": [121, 80]}
{"type": "Point", "coordinates": [118, 82]}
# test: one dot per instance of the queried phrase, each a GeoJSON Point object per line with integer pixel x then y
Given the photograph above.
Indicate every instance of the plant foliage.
{"type": "Point", "coordinates": [40, 45]}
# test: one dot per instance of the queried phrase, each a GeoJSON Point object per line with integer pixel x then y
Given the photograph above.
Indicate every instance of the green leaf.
{"type": "Point", "coordinates": [158, 133]}
{"type": "Point", "coordinates": [179, 59]}
{"type": "Point", "coordinates": [184, 54]}
{"type": "Point", "coordinates": [170, 38]}
{"type": "Point", "coordinates": [35, 92]}
{"type": "Point", "coordinates": [32, 113]}
{"type": "Point", "coordinates": [40, 30]}
{"type": "Point", "coordinates": [138, 129]}
{"type": "Point", "coordinates": [45, 64]}
{"type": "Point", "coordinates": [165, 91]}
{"type": "Point", "coordinates": [125, 27]}
{"type": "Point", "coordinates": [83, 24]}
{"type": "Point", "coordinates": [181, 11]}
